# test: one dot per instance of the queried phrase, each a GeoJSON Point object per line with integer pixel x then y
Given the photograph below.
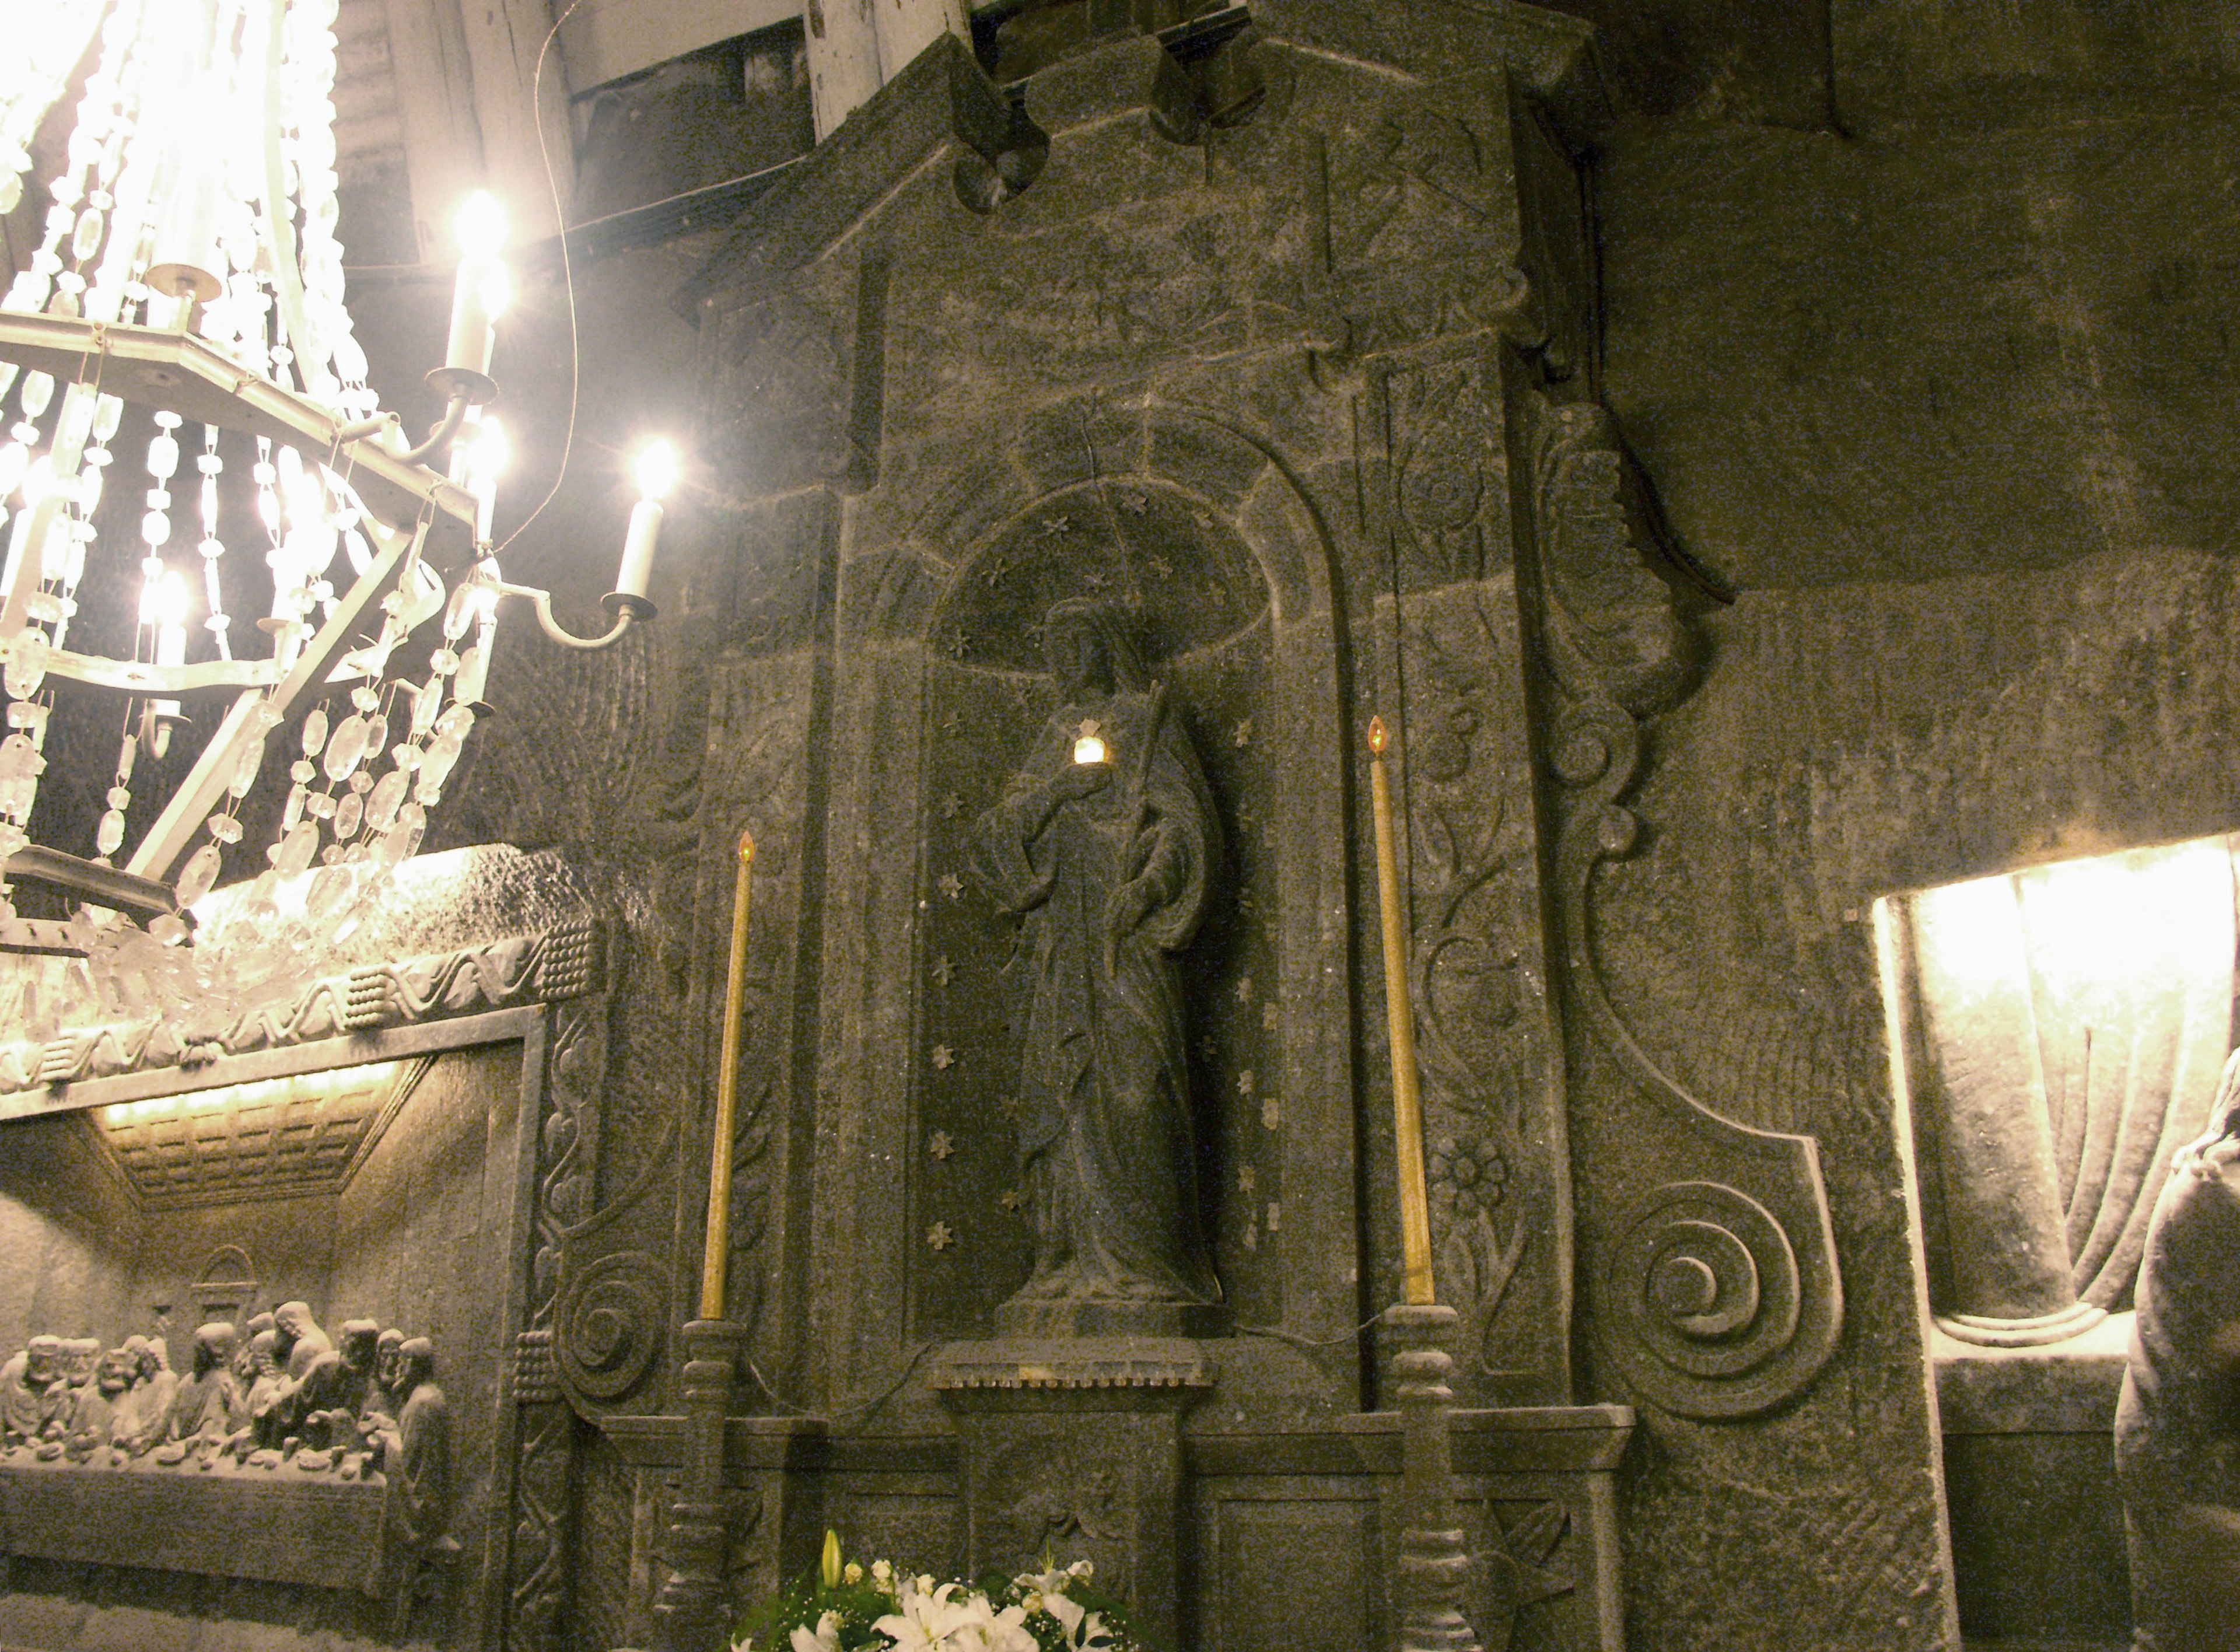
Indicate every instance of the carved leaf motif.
{"type": "Point", "coordinates": [1617, 626]}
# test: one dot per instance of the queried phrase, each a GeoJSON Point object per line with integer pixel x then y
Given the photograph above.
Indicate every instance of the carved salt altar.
{"type": "Point", "coordinates": [276, 1526]}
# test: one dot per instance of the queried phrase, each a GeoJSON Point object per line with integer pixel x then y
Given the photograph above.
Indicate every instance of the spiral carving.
{"type": "Point", "coordinates": [609, 1324]}
{"type": "Point", "coordinates": [1703, 1286]}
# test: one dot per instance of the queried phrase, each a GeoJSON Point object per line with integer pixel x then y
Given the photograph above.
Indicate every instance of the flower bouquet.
{"type": "Point", "coordinates": [841, 1607]}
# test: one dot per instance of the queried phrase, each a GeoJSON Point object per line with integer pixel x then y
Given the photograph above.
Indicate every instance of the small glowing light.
{"type": "Point", "coordinates": [480, 226]}
{"type": "Point", "coordinates": [1377, 735]}
{"type": "Point", "coordinates": [656, 470]}
{"type": "Point", "coordinates": [1090, 749]}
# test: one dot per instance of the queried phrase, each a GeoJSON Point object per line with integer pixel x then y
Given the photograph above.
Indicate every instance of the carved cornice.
{"type": "Point", "coordinates": [564, 962]}
{"type": "Point", "coordinates": [1715, 1288]}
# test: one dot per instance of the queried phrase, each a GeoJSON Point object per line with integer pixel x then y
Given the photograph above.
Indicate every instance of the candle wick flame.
{"type": "Point", "coordinates": [1377, 735]}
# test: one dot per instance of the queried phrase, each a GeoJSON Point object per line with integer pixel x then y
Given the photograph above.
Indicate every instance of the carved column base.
{"type": "Point", "coordinates": [1073, 1448]}
{"type": "Point", "coordinates": [1434, 1561]}
{"type": "Point", "coordinates": [691, 1612]}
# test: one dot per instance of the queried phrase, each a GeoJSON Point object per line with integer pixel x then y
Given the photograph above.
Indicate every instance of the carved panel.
{"type": "Point", "coordinates": [1411, 212]}
{"type": "Point", "coordinates": [1445, 477]}
{"type": "Point", "coordinates": [1296, 1574]}
{"type": "Point", "coordinates": [1713, 1276]}
{"type": "Point", "coordinates": [1499, 1171]}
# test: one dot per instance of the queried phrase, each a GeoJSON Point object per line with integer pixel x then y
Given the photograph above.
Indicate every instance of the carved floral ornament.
{"type": "Point", "coordinates": [1718, 1293]}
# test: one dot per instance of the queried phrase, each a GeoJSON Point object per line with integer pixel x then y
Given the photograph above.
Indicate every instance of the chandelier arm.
{"type": "Point", "coordinates": [105, 884]}
{"type": "Point", "coordinates": [542, 600]}
{"type": "Point", "coordinates": [198, 793]}
{"type": "Point", "coordinates": [455, 414]}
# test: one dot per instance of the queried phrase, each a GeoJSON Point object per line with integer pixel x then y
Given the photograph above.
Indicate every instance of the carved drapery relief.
{"type": "Point", "coordinates": [2066, 1027]}
{"type": "Point", "coordinates": [1713, 1272]}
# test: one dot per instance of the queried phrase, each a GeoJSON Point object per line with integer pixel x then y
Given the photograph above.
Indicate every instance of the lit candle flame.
{"type": "Point", "coordinates": [1377, 735]}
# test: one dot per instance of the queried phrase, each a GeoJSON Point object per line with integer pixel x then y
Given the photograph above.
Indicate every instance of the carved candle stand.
{"type": "Point", "coordinates": [689, 1614]}
{"type": "Point", "coordinates": [1434, 1561]}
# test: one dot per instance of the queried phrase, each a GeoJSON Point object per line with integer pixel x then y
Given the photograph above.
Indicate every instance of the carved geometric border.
{"type": "Point", "coordinates": [564, 962]}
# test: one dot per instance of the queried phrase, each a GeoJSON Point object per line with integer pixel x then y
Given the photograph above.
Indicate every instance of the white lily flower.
{"type": "Point", "coordinates": [824, 1638]}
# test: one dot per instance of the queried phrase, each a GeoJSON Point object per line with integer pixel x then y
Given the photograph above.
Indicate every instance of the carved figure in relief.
{"type": "Point", "coordinates": [30, 1392]}
{"type": "Point", "coordinates": [261, 1403]}
{"type": "Point", "coordinates": [415, 1456]}
{"type": "Point", "coordinates": [1104, 864]}
{"type": "Point", "coordinates": [2177, 1420]}
{"type": "Point", "coordinates": [338, 1387]}
{"type": "Point", "coordinates": [207, 1405]}
{"type": "Point", "coordinates": [90, 1425]}
{"type": "Point", "coordinates": [381, 1397]}
{"type": "Point", "coordinates": [305, 1352]}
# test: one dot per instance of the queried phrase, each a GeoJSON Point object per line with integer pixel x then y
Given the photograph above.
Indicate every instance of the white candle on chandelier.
{"type": "Point", "coordinates": [486, 461]}
{"type": "Point", "coordinates": [483, 289]}
{"type": "Point", "coordinates": [657, 474]}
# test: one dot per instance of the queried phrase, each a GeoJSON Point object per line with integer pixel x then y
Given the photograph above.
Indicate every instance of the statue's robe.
{"type": "Point", "coordinates": [1104, 1134]}
{"type": "Point", "coordinates": [2177, 1420]}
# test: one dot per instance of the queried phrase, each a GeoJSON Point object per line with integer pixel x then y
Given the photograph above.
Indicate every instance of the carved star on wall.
{"type": "Point", "coordinates": [1134, 504]}
{"type": "Point", "coordinates": [940, 1146]}
{"type": "Point", "coordinates": [939, 1237]}
{"type": "Point", "coordinates": [950, 805]}
{"type": "Point", "coordinates": [943, 971]}
{"type": "Point", "coordinates": [1272, 1114]}
{"type": "Point", "coordinates": [1244, 736]}
{"type": "Point", "coordinates": [1011, 1199]}
{"type": "Point", "coordinates": [944, 1057]}
{"type": "Point", "coordinates": [949, 884]}
{"type": "Point", "coordinates": [1244, 1082]}
{"type": "Point", "coordinates": [1268, 1018]}
{"type": "Point", "coordinates": [1516, 1565]}
{"type": "Point", "coordinates": [1244, 991]}
{"type": "Point", "coordinates": [1055, 524]}
{"type": "Point", "coordinates": [1247, 1179]}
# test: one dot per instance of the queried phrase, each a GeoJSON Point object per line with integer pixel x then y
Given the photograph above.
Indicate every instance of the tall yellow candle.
{"type": "Point", "coordinates": [1407, 1103]}
{"type": "Point", "coordinates": [716, 1261]}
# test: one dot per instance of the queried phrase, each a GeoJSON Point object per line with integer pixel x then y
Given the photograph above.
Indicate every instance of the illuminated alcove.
{"type": "Point", "coordinates": [2056, 1033]}
{"type": "Point", "coordinates": [2060, 1031]}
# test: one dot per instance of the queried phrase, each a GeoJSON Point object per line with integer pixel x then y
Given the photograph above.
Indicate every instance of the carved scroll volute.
{"type": "Point", "coordinates": [1711, 1275]}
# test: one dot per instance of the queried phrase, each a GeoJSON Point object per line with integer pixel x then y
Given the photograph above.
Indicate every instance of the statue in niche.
{"type": "Point", "coordinates": [31, 1390]}
{"type": "Point", "coordinates": [415, 1456]}
{"type": "Point", "coordinates": [1101, 848]}
{"type": "Point", "coordinates": [2177, 1420]}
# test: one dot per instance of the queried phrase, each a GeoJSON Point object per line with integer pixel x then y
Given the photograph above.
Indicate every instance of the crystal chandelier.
{"type": "Point", "coordinates": [200, 500]}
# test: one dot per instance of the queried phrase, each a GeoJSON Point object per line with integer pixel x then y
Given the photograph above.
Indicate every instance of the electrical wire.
{"type": "Point", "coordinates": [566, 274]}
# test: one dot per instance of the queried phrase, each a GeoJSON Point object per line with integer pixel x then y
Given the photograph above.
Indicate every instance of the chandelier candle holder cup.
{"type": "Point", "coordinates": [186, 294]}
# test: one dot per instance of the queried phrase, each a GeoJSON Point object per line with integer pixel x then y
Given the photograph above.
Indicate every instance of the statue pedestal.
{"type": "Point", "coordinates": [1072, 1446]}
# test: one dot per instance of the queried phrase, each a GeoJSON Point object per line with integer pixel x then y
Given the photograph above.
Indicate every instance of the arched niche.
{"type": "Point", "coordinates": [1201, 539]}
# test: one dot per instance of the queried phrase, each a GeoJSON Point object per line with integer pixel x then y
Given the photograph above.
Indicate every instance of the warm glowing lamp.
{"type": "Point", "coordinates": [1090, 749]}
